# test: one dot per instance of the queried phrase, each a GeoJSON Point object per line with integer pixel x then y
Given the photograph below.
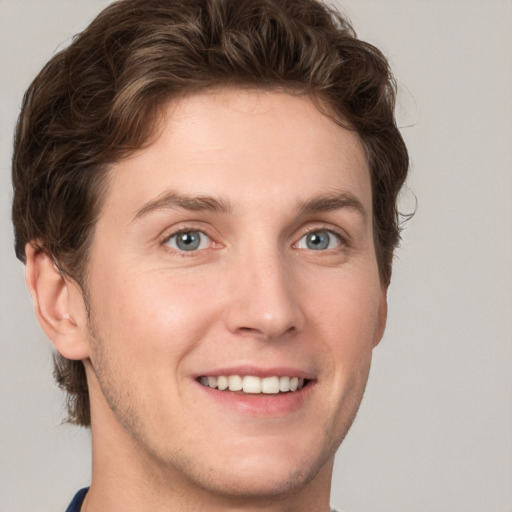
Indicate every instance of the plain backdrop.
{"type": "Point", "coordinates": [434, 433]}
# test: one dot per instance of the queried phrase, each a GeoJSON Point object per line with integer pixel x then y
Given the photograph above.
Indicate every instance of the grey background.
{"type": "Point", "coordinates": [434, 433]}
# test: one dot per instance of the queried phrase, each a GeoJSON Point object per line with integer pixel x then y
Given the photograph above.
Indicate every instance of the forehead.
{"type": "Point", "coordinates": [247, 145]}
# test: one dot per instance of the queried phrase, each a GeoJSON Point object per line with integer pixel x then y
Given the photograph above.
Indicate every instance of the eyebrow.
{"type": "Point", "coordinates": [331, 202]}
{"type": "Point", "coordinates": [321, 203]}
{"type": "Point", "coordinates": [172, 200]}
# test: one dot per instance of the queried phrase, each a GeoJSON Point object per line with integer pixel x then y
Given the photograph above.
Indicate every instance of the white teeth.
{"type": "Point", "coordinates": [222, 382]}
{"type": "Point", "coordinates": [235, 383]}
{"type": "Point", "coordinates": [270, 385]}
{"type": "Point", "coordinates": [284, 384]}
{"type": "Point", "coordinates": [252, 384]}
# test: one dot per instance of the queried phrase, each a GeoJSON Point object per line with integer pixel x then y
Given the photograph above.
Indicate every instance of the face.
{"type": "Point", "coordinates": [235, 295]}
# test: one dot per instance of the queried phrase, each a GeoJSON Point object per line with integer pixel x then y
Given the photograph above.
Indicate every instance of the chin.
{"type": "Point", "coordinates": [275, 471]}
{"type": "Point", "coordinates": [268, 482]}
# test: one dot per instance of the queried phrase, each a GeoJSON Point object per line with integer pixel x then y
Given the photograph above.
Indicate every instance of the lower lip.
{"type": "Point", "coordinates": [260, 404]}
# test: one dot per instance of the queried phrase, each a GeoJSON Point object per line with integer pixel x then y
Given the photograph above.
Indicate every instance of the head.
{"type": "Point", "coordinates": [106, 99]}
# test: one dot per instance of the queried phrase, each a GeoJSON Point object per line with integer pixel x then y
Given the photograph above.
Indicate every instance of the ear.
{"type": "Point", "coordinates": [58, 303]}
{"type": "Point", "coordinates": [382, 315]}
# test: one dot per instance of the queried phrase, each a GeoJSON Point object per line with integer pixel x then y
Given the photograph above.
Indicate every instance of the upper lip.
{"type": "Point", "coordinates": [279, 371]}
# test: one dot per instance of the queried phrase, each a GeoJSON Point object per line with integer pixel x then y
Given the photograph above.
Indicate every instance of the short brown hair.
{"type": "Point", "coordinates": [95, 101]}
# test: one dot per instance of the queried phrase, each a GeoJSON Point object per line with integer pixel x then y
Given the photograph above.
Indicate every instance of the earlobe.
{"type": "Point", "coordinates": [58, 304]}
{"type": "Point", "coordinates": [382, 316]}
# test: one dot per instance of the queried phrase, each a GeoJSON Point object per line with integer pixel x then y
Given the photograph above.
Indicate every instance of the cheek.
{"type": "Point", "coordinates": [153, 309]}
{"type": "Point", "coordinates": [143, 329]}
{"type": "Point", "coordinates": [348, 308]}
{"type": "Point", "coordinates": [347, 314]}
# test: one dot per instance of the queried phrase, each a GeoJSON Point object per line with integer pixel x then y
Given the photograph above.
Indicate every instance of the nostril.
{"type": "Point", "coordinates": [265, 333]}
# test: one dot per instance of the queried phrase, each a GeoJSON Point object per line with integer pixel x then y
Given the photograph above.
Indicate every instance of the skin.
{"type": "Point", "coordinates": [253, 294]}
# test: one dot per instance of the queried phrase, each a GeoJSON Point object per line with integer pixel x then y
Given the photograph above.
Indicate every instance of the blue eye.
{"type": "Point", "coordinates": [320, 240]}
{"type": "Point", "coordinates": [188, 241]}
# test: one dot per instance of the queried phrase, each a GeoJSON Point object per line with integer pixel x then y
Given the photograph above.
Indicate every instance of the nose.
{"type": "Point", "coordinates": [264, 300]}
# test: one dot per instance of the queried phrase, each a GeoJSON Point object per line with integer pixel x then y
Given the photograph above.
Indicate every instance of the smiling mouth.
{"type": "Point", "coordinates": [254, 385]}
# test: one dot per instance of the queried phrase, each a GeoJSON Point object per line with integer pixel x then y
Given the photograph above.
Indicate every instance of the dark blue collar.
{"type": "Point", "coordinates": [75, 505]}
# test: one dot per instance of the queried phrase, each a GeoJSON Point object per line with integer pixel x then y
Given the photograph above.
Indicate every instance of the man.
{"type": "Point", "coordinates": [205, 200]}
